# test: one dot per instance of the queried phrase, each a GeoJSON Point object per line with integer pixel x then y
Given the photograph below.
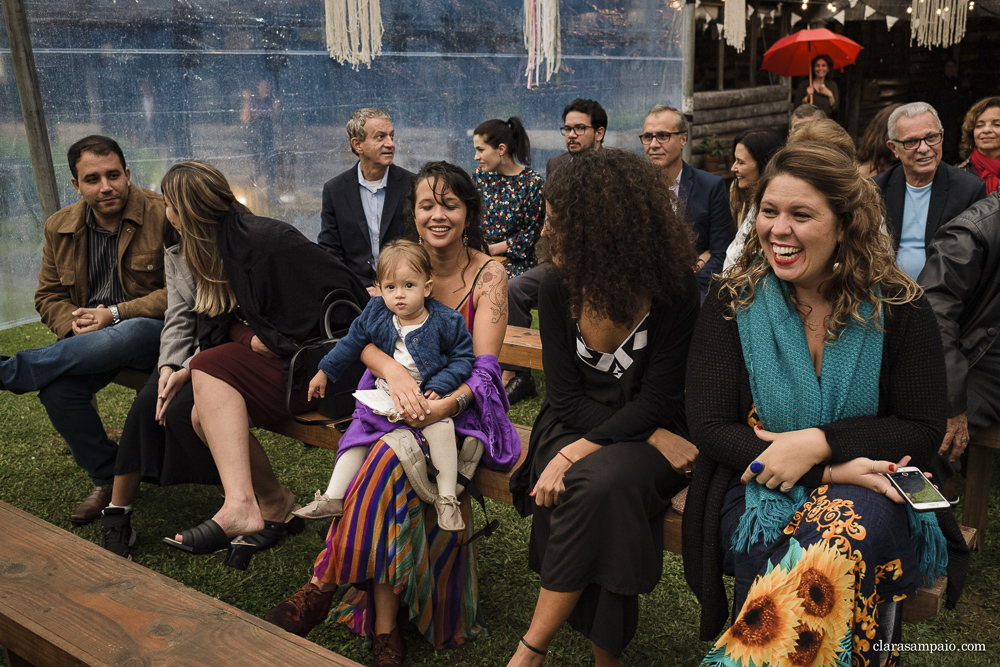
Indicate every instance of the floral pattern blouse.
{"type": "Point", "coordinates": [513, 211]}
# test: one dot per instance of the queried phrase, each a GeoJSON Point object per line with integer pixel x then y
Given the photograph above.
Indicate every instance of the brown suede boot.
{"type": "Point", "coordinates": [303, 611]}
{"type": "Point", "coordinates": [389, 649]}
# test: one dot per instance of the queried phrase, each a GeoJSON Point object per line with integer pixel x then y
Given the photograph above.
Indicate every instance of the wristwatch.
{"type": "Point", "coordinates": [116, 317]}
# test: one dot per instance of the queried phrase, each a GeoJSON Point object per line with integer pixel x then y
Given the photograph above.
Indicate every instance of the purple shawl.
{"type": "Point", "coordinates": [486, 418]}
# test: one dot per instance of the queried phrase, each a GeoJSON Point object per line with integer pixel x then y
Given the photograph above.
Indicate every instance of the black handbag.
{"type": "Point", "coordinates": [338, 311]}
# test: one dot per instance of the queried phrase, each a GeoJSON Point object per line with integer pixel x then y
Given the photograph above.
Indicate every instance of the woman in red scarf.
{"type": "Point", "coordinates": [981, 135]}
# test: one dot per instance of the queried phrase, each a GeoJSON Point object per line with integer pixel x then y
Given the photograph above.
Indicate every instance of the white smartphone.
{"type": "Point", "coordinates": [917, 490]}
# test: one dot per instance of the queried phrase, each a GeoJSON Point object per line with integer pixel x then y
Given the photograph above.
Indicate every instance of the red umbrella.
{"type": "Point", "coordinates": [792, 55]}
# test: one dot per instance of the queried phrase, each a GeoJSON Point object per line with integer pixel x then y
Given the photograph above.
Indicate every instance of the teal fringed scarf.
{"type": "Point", "coordinates": [789, 397]}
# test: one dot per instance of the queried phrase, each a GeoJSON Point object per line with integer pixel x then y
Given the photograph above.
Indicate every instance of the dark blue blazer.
{"type": "Point", "coordinates": [707, 211]}
{"type": "Point", "coordinates": [343, 230]}
{"type": "Point", "coordinates": [953, 190]}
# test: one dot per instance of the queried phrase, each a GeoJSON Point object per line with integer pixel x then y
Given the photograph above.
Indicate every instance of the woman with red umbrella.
{"type": "Point", "coordinates": [820, 91]}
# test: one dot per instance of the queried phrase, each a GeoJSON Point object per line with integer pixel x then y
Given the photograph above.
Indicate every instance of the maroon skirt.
{"type": "Point", "coordinates": [260, 380]}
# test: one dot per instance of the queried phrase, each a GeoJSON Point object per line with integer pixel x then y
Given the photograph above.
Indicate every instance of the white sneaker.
{"type": "Point", "coordinates": [449, 512]}
{"type": "Point", "coordinates": [322, 507]}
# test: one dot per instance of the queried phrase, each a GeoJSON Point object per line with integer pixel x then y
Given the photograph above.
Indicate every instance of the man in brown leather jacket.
{"type": "Point", "coordinates": [101, 291]}
{"type": "Point", "coordinates": [960, 281]}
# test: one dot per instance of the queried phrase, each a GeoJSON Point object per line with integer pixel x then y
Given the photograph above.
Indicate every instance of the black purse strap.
{"type": "Point", "coordinates": [337, 298]}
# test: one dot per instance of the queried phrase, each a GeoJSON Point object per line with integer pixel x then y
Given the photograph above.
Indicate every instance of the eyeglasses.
{"type": "Point", "coordinates": [575, 129]}
{"type": "Point", "coordinates": [931, 140]}
{"type": "Point", "coordinates": [661, 137]}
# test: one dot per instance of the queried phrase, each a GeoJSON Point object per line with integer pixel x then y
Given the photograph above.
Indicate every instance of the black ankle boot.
{"type": "Point", "coordinates": [116, 531]}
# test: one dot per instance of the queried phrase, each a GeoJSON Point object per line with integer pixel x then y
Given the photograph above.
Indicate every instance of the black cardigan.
{"type": "Point", "coordinates": [280, 279]}
{"type": "Point", "coordinates": [910, 420]}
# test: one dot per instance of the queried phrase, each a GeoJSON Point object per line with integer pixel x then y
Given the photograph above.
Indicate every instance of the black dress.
{"type": "Point", "coordinates": [606, 535]}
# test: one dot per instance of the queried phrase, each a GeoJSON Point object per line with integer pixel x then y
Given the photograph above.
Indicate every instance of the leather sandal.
{"type": "Point", "coordinates": [275, 530]}
{"type": "Point", "coordinates": [208, 537]}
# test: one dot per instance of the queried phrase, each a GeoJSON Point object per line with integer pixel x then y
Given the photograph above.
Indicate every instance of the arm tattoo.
{"type": "Point", "coordinates": [493, 286]}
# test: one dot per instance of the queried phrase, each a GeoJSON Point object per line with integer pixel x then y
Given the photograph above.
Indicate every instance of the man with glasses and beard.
{"type": "Point", "coordinates": [584, 125]}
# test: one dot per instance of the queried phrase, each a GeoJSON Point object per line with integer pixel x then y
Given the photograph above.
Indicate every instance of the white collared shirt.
{"type": "Point", "coordinates": [372, 201]}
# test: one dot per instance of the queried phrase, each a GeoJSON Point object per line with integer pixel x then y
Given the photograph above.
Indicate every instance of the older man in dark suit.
{"type": "Point", "coordinates": [365, 207]}
{"type": "Point", "coordinates": [702, 196]}
{"type": "Point", "coordinates": [921, 192]}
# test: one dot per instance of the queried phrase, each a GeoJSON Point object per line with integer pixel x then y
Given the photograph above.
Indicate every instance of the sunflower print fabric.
{"type": "Point", "coordinates": [513, 211]}
{"type": "Point", "coordinates": [812, 598]}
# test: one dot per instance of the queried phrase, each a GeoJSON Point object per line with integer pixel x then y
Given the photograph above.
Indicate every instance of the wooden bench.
{"type": "Point", "coordinates": [978, 474]}
{"type": "Point", "coordinates": [67, 601]}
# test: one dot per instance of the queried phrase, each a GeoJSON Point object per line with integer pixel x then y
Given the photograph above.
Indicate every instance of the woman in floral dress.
{"type": "Point", "coordinates": [513, 210]}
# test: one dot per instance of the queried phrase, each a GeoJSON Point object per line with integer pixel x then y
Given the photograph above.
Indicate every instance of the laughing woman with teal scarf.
{"type": "Point", "coordinates": [816, 368]}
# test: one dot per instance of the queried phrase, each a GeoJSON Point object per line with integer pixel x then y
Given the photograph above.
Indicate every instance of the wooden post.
{"type": "Point", "coordinates": [31, 105]}
{"type": "Point", "coordinates": [722, 54]}
{"type": "Point", "coordinates": [687, 79]}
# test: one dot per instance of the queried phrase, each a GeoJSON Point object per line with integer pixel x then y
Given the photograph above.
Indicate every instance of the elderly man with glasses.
{"type": "Point", "coordinates": [921, 193]}
{"type": "Point", "coordinates": [702, 196]}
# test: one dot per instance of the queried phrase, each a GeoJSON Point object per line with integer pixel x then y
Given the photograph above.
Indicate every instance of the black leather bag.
{"type": "Point", "coordinates": [338, 311]}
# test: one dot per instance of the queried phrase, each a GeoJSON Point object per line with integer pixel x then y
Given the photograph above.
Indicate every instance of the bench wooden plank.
{"type": "Point", "coordinates": [67, 601]}
{"type": "Point", "coordinates": [522, 347]}
{"type": "Point", "coordinates": [978, 474]}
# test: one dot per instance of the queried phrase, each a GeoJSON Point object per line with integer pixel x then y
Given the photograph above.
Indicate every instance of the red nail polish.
{"type": "Point", "coordinates": [742, 481]}
{"type": "Point", "coordinates": [757, 427]}
{"type": "Point", "coordinates": [532, 494]}
{"type": "Point", "coordinates": [892, 467]}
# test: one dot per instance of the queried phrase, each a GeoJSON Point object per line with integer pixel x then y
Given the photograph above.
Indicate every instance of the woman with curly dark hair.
{"type": "Point", "coordinates": [609, 447]}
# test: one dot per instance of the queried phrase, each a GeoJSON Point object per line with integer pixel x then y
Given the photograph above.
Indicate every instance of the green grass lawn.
{"type": "Point", "coordinates": [38, 475]}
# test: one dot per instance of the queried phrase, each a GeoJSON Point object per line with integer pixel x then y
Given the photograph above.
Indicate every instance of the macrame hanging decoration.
{"type": "Point", "coordinates": [938, 22]}
{"type": "Point", "coordinates": [354, 31]}
{"type": "Point", "coordinates": [541, 38]}
{"type": "Point", "coordinates": [736, 24]}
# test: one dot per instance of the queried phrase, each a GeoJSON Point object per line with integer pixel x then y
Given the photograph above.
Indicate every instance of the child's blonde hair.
{"type": "Point", "coordinates": [396, 252]}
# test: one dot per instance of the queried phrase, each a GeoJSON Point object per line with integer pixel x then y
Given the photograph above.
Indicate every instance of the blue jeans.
{"type": "Point", "coordinates": [67, 374]}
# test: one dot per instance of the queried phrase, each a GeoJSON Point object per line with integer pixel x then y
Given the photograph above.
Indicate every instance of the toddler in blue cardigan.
{"type": "Point", "coordinates": [431, 341]}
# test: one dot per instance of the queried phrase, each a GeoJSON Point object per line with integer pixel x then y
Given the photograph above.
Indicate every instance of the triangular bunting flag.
{"type": "Point", "coordinates": [795, 18]}
{"type": "Point", "coordinates": [697, 4]}
{"type": "Point", "coordinates": [839, 17]}
{"type": "Point", "coordinates": [750, 11]}
{"type": "Point", "coordinates": [868, 11]}
{"type": "Point", "coordinates": [854, 3]}
{"type": "Point", "coordinates": [718, 29]}
{"type": "Point", "coordinates": [890, 21]}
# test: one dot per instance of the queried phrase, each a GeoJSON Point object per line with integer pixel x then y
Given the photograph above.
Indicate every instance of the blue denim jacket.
{"type": "Point", "coordinates": [441, 347]}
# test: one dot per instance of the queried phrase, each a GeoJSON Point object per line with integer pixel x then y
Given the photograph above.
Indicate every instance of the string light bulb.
{"type": "Point", "coordinates": [909, 10]}
{"type": "Point", "coordinates": [805, 5]}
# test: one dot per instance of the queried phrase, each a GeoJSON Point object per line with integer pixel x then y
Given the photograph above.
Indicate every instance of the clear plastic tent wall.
{"type": "Point", "coordinates": [249, 87]}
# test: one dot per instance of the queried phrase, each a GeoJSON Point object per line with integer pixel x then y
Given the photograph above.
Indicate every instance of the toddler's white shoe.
{"type": "Point", "coordinates": [321, 507]}
{"type": "Point", "coordinates": [449, 512]}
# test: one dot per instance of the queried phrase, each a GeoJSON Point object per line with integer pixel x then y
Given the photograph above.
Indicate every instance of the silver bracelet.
{"type": "Point", "coordinates": [829, 470]}
{"type": "Point", "coordinates": [463, 402]}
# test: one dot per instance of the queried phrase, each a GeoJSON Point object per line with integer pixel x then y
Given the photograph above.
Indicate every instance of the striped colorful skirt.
{"type": "Point", "coordinates": [388, 535]}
